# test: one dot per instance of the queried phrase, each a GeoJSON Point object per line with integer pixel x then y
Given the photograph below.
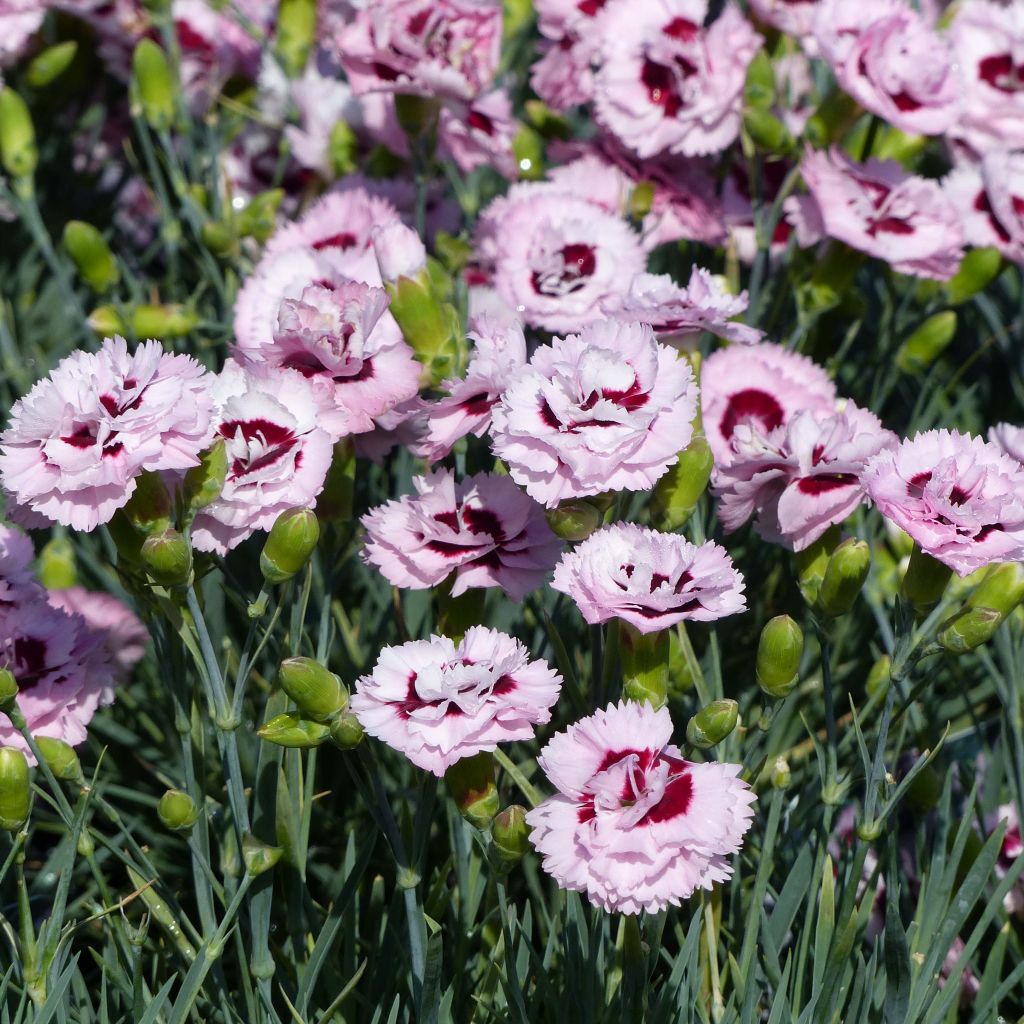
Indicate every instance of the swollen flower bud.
{"type": "Point", "coordinates": [759, 88]}
{"type": "Point", "coordinates": [978, 269]}
{"type": "Point", "coordinates": [644, 660]}
{"type": "Point", "coordinates": [18, 152]}
{"type": "Point", "coordinates": [925, 580]}
{"type": "Point", "coordinates": [147, 321]}
{"type": "Point", "coordinates": [528, 149]}
{"type": "Point", "coordinates": [294, 731]}
{"type": "Point", "coordinates": [60, 758]}
{"type": "Point", "coordinates": [346, 731]}
{"type": "Point", "coordinates": [203, 483]}
{"type": "Point", "coordinates": [149, 508]}
{"type": "Point", "coordinates": [399, 251]}
{"type": "Point", "coordinates": [296, 33]}
{"type": "Point", "coordinates": [219, 237]}
{"type": "Point", "coordinates": [342, 149]}
{"type": "Point", "coordinates": [316, 690]}
{"type": "Point", "coordinates": [91, 255]}
{"type": "Point", "coordinates": [574, 520]}
{"type": "Point", "coordinates": [57, 569]}
{"type": "Point", "coordinates": [767, 131]}
{"type": "Point", "coordinates": [844, 577]}
{"type": "Point", "coordinates": [48, 66]}
{"type": "Point", "coordinates": [15, 792]}
{"type": "Point", "coordinates": [712, 724]}
{"type": "Point", "coordinates": [678, 491]}
{"type": "Point", "coordinates": [259, 217]}
{"type": "Point", "coordinates": [290, 543]}
{"type": "Point", "coordinates": [153, 85]}
{"type": "Point", "coordinates": [472, 786]}
{"type": "Point", "coordinates": [8, 689]}
{"type": "Point", "coordinates": [781, 775]}
{"type": "Point", "coordinates": [257, 855]}
{"type": "Point", "coordinates": [927, 343]}
{"type": "Point", "coordinates": [986, 609]}
{"type": "Point", "coordinates": [167, 557]}
{"type": "Point", "coordinates": [779, 651]}
{"type": "Point", "coordinates": [510, 835]}
{"type": "Point", "coordinates": [812, 562]}
{"type": "Point", "coordinates": [177, 811]}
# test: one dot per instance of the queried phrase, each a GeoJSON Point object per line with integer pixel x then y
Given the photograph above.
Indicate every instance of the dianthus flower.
{"type": "Point", "coordinates": [16, 554]}
{"type": "Point", "coordinates": [1009, 438]}
{"type": "Point", "coordinates": [989, 196]}
{"type": "Point", "coordinates": [563, 77]}
{"type": "Point", "coordinates": [19, 22]}
{"type": "Point", "coordinates": [794, 17]}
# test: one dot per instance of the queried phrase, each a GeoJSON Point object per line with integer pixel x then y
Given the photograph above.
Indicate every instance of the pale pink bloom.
{"type": "Point", "coordinates": [634, 825]}
{"type": "Point", "coordinates": [989, 197]}
{"type": "Point", "coordinates": [483, 529]}
{"type": "Point", "coordinates": [667, 83]}
{"type": "Point", "coordinates": [556, 256]}
{"type": "Point", "coordinates": [800, 478]}
{"type": "Point", "coordinates": [480, 134]}
{"type": "Point", "coordinates": [959, 497]}
{"type": "Point", "coordinates": [19, 22]}
{"type": "Point", "coordinates": [443, 48]}
{"type": "Point", "coordinates": [399, 251]}
{"type": "Point", "coordinates": [563, 76]}
{"type": "Point", "coordinates": [649, 579]}
{"type": "Point", "coordinates": [881, 210]}
{"type": "Point", "coordinates": [123, 634]}
{"type": "Point", "coordinates": [605, 410]}
{"type": "Point", "coordinates": [438, 702]}
{"type": "Point", "coordinates": [1009, 438]}
{"type": "Point", "coordinates": [16, 576]}
{"type": "Point", "coordinates": [279, 429]}
{"type": "Point", "coordinates": [762, 386]}
{"type": "Point", "coordinates": [892, 62]}
{"type": "Point", "coordinates": [80, 438]}
{"type": "Point", "coordinates": [499, 352]}
{"type": "Point", "coordinates": [62, 667]}
{"type": "Point", "coordinates": [679, 315]}
{"type": "Point", "coordinates": [989, 42]}
{"type": "Point", "coordinates": [794, 17]}
{"type": "Point", "coordinates": [403, 426]}
{"type": "Point", "coordinates": [1012, 848]}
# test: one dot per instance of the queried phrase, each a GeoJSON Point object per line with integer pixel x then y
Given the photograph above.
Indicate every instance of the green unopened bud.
{"type": "Point", "coordinates": [163, 321]}
{"type": "Point", "coordinates": [681, 676]}
{"type": "Point", "coordinates": [528, 149]}
{"type": "Point", "coordinates": [879, 676]}
{"type": "Point", "coordinates": [418, 116]}
{"type": "Point", "coordinates": [779, 650]}
{"type": "Point", "coordinates": [869, 831]}
{"type": "Point", "coordinates": [346, 731]}
{"type": "Point", "coordinates": [644, 661]}
{"type": "Point", "coordinates": [998, 594]}
{"type": "Point", "coordinates": [766, 130]}
{"type": "Point", "coordinates": [203, 483]}
{"type": "Point", "coordinates": [153, 85]}
{"type": "Point", "coordinates": [335, 500]}
{"type": "Point", "coordinates": [219, 238]}
{"type": "Point", "coordinates": [149, 508]}
{"type": "Point", "coordinates": [472, 786]}
{"type": "Point", "coordinates": [812, 562]}
{"type": "Point", "coordinates": [844, 577]}
{"type": "Point", "coordinates": [45, 68]}
{"type": "Point", "coordinates": [15, 791]}
{"type": "Point", "coordinates": [8, 689]}
{"type": "Point", "coordinates": [258, 856]}
{"type": "Point", "coordinates": [317, 691]}
{"type": "Point", "coordinates": [712, 724]}
{"type": "Point", "coordinates": [641, 199]}
{"type": "Point", "coordinates": [342, 149]}
{"type": "Point", "coordinates": [454, 251]}
{"type": "Point", "coordinates": [294, 731]}
{"type": "Point", "coordinates": [61, 758]}
{"type": "Point", "coordinates": [678, 491]}
{"type": "Point", "coordinates": [510, 835]}
{"type": "Point", "coordinates": [57, 569]}
{"type": "Point", "coordinates": [546, 121]}
{"type": "Point", "coordinates": [258, 217]}
{"type": "Point", "coordinates": [18, 152]}
{"type": "Point", "coordinates": [177, 811]}
{"type": "Point", "coordinates": [426, 323]}
{"type": "Point", "coordinates": [781, 775]}
{"type": "Point", "coordinates": [925, 580]}
{"type": "Point", "coordinates": [290, 543]}
{"type": "Point", "coordinates": [830, 121]}
{"type": "Point", "coordinates": [91, 255]}
{"type": "Point", "coordinates": [106, 321]}
{"type": "Point", "coordinates": [574, 520]}
{"type": "Point", "coordinates": [167, 557]}
{"type": "Point", "coordinates": [971, 628]}
{"type": "Point", "coordinates": [296, 33]}
{"type": "Point", "coordinates": [759, 88]}
{"type": "Point", "coordinates": [927, 343]}
{"type": "Point", "coordinates": [978, 269]}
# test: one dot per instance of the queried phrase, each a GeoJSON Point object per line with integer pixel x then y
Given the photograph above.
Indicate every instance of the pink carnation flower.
{"type": "Point", "coordinates": [881, 210]}
{"type": "Point", "coordinates": [16, 577]}
{"type": "Point", "coordinates": [1009, 438]}
{"type": "Point", "coordinates": [649, 579]}
{"type": "Point", "coordinates": [499, 352]}
{"type": "Point", "coordinates": [958, 496]}
{"type": "Point", "coordinates": [484, 529]}
{"type": "Point", "coordinates": [666, 83]}
{"type": "Point", "coordinates": [438, 702]}
{"type": "Point", "coordinates": [480, 134]}
{"type": "Point", "coordinates": [990, 199]}
{"type": "Point", "coordinates": [794, 17]}
{"type": "Point", "coordinates": [634, 825]}
{"type": "Point", "coordinates": [608, 409]}
{"type": "Point", "coordinates": [279, 430]}
{"type": "Point", "coordinates": [886, 56]}
{"type": "Point", "coordinates": [1012, 848]}
{"type": "Point", "coordinates": [802, 477]}
{"type": "Point", "coordinates": [557, 256]}
{"type": "Point", "coordinates": [571, 29]}
{"type": "Point", "coordinates": [679, 315]}
{"type": "Point", "coordinates": [762, 386]}
{"type": "Point", "coordinates": [989, 42]}
{"type": "Point", "coordinates": [81, 437]}
{"type": "Point", "coordinates": [19, 22]}
{"type": "Point", "coordinates": [404, 426]}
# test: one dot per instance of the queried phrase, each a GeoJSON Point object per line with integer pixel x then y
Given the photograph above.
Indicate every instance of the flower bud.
{"type": "Point", "coordinates": [342, 150]}
{"type": "Point", "coordinates": [678, 491]}
{"type": "Point", "coordinates": [766, 130]}
{"type": "Point", "coordinates": [61, 758]}
{"type": "Point", "coordinates": [759, 88]}
{"type": "Point", "coordinates": [18, 152]}
{"type": "Point", "coordinates": [335, 500]}
{"type": "Point", "coordinates": [812, 562]}
{"type": "Point", "coordinates": [985, 610]}
{"type": "Point", "coordinates": [91, 255]}
{"type": "Point", "coordinates": [641, 199]}
{"type": "Point", "coordinates": [528, 149]}
{"type": "Point", "coordinates": [149, 508]}
{"type": "Point", "coordinates": [15, 791]}
{"type": "Point", "coordinates": [177, 811]}
{"type": "Point", "coordinates": [346, 731]}
{"type": "Point", "coordinates": [219, 238]}
{"type": "Point", "coordinates": [290, 543]}
{"type": "Point", "coordinates": [317, 691]}
{"type": "Point", "coordinates": [971, 628]}
{"type": "Point", "coordinates": [8, 689]}
{"type": "Point", "coordinates": [712, 723]}
{"type": "Point", "coordinates": [399, 251]}
{"type": "Point", "coordinates": [644, 661]}
{"type": "Point", "coordinates": [203, 483]}
{"type": "Point", "coordinates": [294, 731]}
{"type": "Point", "coordinates": [167, 557]}
{"type": "Point", "coordinates": [57, 569]}
{"type": "Point", "coordinates": [925, 580]}
{"type": "Point", "coordinates": [574, 520]}
{"type": "Point", "coordinates": [779, 650]}
{"type": "Point", "coordinates": [844, 577]}
{"type": "Point", "coordinates": [781, 775]}
{"type": "Point", "coordinates": [259, 216]}
{"type": "Point", "coordinates": [418, 118]}
{"type": "Point", "coordinates": [153, 85]}
{"type": "Point", "coordinates": [472, 786]}
{"type": "Point", "coordinates": [879, 676]}
{"type": "Point", "coordinates": [257, 855]}
{"type": "Point", "coordinates": [978, 269]}
{"type": "Point", "coordinates": [927, 343]}
{"type": "Point", "coordinates": [163, 321]}
{"type": "Point", "coordinates": [296, 33]}
{"type": "Point", "coordinates": [510, 835]}
{"type": "Point", "coordinates": [45, 68]}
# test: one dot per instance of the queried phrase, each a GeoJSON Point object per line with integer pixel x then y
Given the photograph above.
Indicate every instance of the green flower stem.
{"type": "Point", "coordinates": [825, 646]}
{"type": "Point", "coordinates": [19, 723]}
{"type": "Point", "coordinates": [533, 797]}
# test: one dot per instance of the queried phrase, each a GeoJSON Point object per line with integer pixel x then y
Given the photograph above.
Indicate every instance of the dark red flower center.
{"type": "Point", "coordinates": [578, 263]}
{"type": "Point", "coordinates": [751, 405]}
{"type": "Point", "coordinates": [1000, 72]}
